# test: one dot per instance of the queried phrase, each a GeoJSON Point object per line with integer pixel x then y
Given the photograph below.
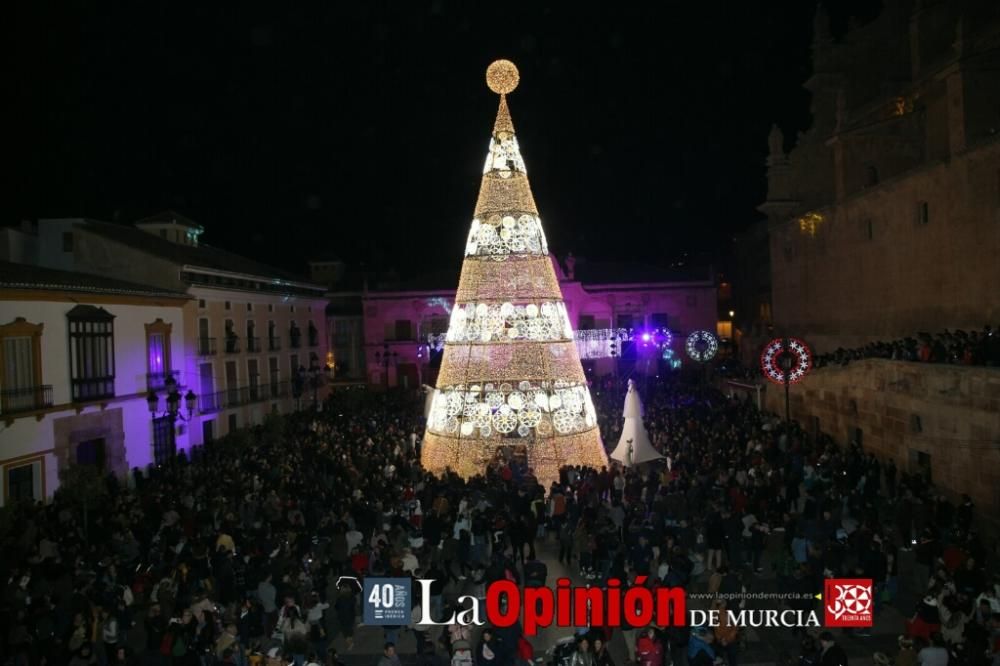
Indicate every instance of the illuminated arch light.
{"type": "Point", "coordinates": [770, 360]}
{"type": "Point", "coordinates": [701, 346]}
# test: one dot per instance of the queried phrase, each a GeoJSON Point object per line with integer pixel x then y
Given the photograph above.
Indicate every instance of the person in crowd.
{"type": "Point", "coordinates": [831, 654]}
{"type": "Point", "coordinates": [260, 539]}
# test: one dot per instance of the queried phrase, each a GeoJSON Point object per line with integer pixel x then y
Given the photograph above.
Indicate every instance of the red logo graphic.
{"type": "Point", "coordinates": [847, 602]}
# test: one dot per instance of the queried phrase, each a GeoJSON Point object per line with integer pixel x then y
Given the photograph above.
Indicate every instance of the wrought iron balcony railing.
{"type": "Point", "coordinates": [25, 399]}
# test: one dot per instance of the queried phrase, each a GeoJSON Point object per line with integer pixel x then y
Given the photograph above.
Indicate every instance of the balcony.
{"type": "Point", "coordinates": [25, 399]}
{"type": "Point", "coordinates": [253, 344]}
{"type": "Point", "coordinates": [295, 341]}
{"type": "Point", "coordinates": [313, 341]}
{"type": "Point", "coordinates": [206, 347]}
{"type": "Point", "coordinates": [243, 395]}
{"type": "Point", "coordinates": [92, 388]}
{"type": "Point", "coordinates": [274, 343]}
{"type": "Point", "coordinates": [157, 381]}
{"type": "Point", "coordinates": [232, 345]}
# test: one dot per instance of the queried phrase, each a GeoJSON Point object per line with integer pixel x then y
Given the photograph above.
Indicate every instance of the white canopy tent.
{"type": "Point", "coordinates": [634, 447]}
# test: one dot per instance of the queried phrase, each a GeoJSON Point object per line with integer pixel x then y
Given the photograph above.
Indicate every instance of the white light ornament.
{"type": "Point", "coordinates": [701, 346]}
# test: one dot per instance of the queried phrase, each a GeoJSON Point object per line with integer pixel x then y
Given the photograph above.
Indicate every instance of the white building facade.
{"type": "Point", "coordinates": [79, 356]}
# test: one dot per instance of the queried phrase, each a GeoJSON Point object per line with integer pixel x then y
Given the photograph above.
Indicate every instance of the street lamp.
{"type": "Point", "coordinates": [314, 381]}
{"type": "Point", "coordinates": [173, 411]}
{"type": "Point", "coordinates": [786, 360]}
{"type": "Point", "coordinates": [386, 358]}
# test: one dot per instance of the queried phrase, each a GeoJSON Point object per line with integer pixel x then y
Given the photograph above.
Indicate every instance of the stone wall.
{"type": "Point", "coordinates": [942, 417]}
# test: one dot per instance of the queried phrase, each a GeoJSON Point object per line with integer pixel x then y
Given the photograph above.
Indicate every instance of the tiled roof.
{"type": "Point", "coordinates": [26, 276]}
{"type": "Point", "coordinates": [201, 255]}
{"type": "Point", "coordinates": [609, 272]}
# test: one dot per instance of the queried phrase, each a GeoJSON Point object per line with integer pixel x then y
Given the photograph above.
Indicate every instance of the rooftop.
{"type": "Point", "coordinates": [27, 276]}
{"type": "Point", "coordinates": [201, 255]}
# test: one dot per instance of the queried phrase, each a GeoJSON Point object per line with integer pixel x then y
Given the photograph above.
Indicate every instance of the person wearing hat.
{"type": "Point", "coordinates": [832, 654]}
{"type": "Point", "coordinates": [926, 621]}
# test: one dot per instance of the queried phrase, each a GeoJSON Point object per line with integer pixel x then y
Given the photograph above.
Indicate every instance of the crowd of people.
{"type": "Point", "coordinates": [955, 347]}
{"type": "Point", "coordinates": [239, 554]}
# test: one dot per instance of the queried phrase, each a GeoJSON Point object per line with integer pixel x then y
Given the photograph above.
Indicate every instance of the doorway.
{"type": "Point", "coordinates": [208, 431]}
{"type": "Point", "coordinates": [164, 446]}
{"type": "Point", "coordinates": [91, 452]}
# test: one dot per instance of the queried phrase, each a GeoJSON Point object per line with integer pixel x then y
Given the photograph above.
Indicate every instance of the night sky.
{"type": "Point", "coordinates": [359, 131]}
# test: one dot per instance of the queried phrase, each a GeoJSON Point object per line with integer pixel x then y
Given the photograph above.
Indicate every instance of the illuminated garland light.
{"type": "Point", "coordinates": [496, 410]}
{"type": "Point", "coordinates": [496, 323]}
{"type": "Point", "coordinates": [504, 156]}
{"type": "Point", "coordinates": [701, 346]}
{"type": "Point", "coordinates": [770, 360]}
{"type": "Point", "coordinates": [510, 374]}
{"type": "Point", "coordinates": [499, 236]}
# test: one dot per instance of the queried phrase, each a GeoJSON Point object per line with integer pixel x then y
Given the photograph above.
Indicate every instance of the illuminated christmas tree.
{"type": "Point", "coordinates": [510, 374]}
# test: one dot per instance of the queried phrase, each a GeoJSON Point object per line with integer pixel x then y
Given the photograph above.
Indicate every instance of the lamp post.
{"type": "Point", "coordinates": [314, 381]}
{"type": "Point", "coordinates": [173, 403]}
{"type": "Point", "coordinates": [786, 360]}
{"type": "Point", "coordinates": [615, 350]}
{"type": "Point", "coordinates": [386, 358]}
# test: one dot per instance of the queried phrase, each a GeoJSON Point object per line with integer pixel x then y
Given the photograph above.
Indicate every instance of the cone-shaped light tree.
{"type": "Point", "coordinates": [510, 374]}
{"type": "Point", "coordinates": [634, 447]}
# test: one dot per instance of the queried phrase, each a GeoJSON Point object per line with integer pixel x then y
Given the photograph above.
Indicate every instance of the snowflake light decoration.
{"type": "Point", "coordinates": [701, 346]}
{"type": "Point", "coordinates": [770, 360]}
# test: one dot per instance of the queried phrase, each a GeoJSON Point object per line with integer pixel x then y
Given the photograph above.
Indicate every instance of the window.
{"type": "Point", "coordinates": [253, 378]}
{"type": "Point", "coordinates": [21, 368]}
{"type": "Point", "coordinates": [291, 309]}
{"type": "Point", "coordinates": [403, 330]}
{"type": "Point", "coordinates": [869, 230]}
{"type": "Point", "coordinates": [923, 213]}
{"type": "Point", "coordinates": [24, 481]}
{"type": "Point", "coordinates": [92, 353]}
{"type": "Point", "coordinates": [229, 306]}
{"type": "Point", "coordinates": [314, 335]}
{"type": "Point", "coordinates": [585, 322]}
{"type": "Point", "coordinates": [274, 374]}
{"type": "Point", "coordinates": [916, 426]}
{"type": "Point", "coordinates": [201, 303]}
{"type": "Point", "coordinates": [67, 241]}
{"type": "Point", "coordinates": [158, 368]}
{"type": "Point", "coordinates": [294, 335]}
{"type": "Point", "coordinates": [659, 320]}
{"type": "Point", "coordinates": [310, 308]}
{"type": "Point", "coordinates": [253, 344]}
{"type": "Point", "coordinates": [232, 422]}
{"type": "Point", "coordinates": [623, 321]}
{"type": "Point", "coordinates": [270, 307]}
{"type": "Point", "coordinates": [232, 340]}
{"type": "Point", "coordinates": [439, 325]}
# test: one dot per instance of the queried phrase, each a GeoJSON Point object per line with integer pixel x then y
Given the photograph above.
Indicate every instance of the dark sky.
{"type": "Point", "coordinates": [360, 129]}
